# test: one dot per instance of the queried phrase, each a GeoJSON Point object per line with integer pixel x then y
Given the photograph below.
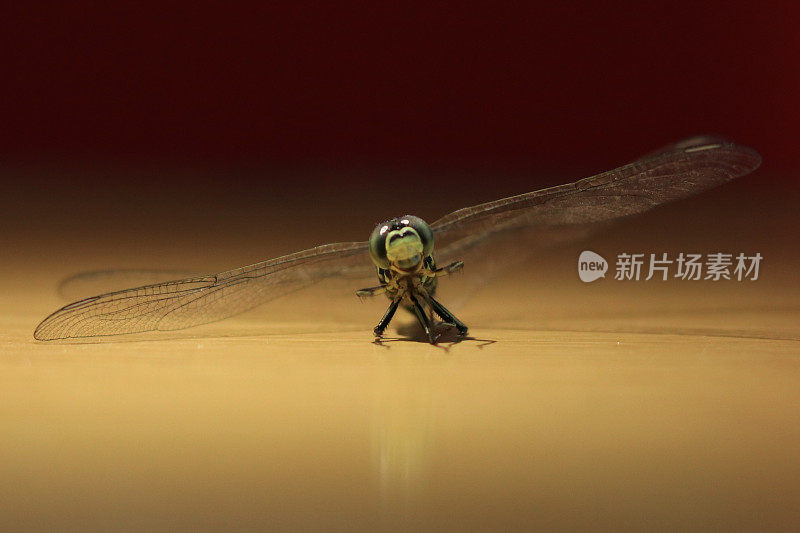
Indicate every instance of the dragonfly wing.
{"type": "Point", "coordinates": [85, 284]}
{"type": "Point", "coordinates": [193, 301]}
{"type": "Point", "coordinates": [570, 211]}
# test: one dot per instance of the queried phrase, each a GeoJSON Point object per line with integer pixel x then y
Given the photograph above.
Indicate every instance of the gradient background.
{"type": "Point", "coordinates": [544, 85]}
{"type": "Point", "coordinates": [205, 136]}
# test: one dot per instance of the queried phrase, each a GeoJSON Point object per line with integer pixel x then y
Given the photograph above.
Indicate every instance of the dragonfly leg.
{"type": "Point", "coordinates": [452, 268]}
{"type": "Point", "coordinates": [419, 312]}
{"type": "Point", "coordinates": [370, 291]}
{"type": "Point", "coordinates": [447, 316]}
{"type": "Point", "coordinates": [387, 317]}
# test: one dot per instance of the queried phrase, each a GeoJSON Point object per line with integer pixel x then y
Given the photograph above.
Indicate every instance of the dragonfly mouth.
{"type": "Point", "coordinates": [410, 263]}
{"type": "Point", "coordinates": [404, 250]}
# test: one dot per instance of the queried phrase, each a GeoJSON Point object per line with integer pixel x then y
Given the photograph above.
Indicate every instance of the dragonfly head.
{"type": "Point", "coordinates": [401, 242]}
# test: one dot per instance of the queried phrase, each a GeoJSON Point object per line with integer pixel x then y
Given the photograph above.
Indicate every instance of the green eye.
{"type": "Point", "coordinates": [423, 230]}
{"type": "Point", "coordinates": [377, 245]}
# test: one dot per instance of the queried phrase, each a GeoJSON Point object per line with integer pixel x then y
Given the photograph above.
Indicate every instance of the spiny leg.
{"type": "Point", "coordinates": [452, 268]}
{"type": "Point", "coordinates": [371, 291]}
{"type": "Point", "coordinates": [447, 316]}
{"type": "Point", "coordinates": [419, 312]}
{"type": "Point", "coordinates": [387, 317]}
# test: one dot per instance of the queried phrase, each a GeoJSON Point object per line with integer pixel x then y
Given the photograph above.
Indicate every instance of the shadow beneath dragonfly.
{"type": "Point", "coordinates": [447, 337]}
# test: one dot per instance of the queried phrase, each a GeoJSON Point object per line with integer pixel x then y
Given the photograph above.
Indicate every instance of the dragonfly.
{"type": "Point", "coordinates": [400, 252]}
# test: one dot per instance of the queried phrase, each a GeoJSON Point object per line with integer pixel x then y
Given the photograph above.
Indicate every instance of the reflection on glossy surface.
{"type": "Point", "coordinates": [403, 427]}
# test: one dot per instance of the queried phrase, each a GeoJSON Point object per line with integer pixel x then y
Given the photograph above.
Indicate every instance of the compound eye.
{"type": "Point", "coordinates": [377, 245]}
{"type": "Point", "coordinates": [423, 230]}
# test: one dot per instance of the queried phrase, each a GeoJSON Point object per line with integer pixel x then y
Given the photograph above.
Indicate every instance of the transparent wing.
{"type": "Point", "coordinates": [572, 210]}
{"type": "Point", "coordinates": [193, 301]}
{"type": "Point", "coordinates": [85, 284]}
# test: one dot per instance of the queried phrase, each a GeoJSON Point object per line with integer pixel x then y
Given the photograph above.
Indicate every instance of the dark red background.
{"type": "Point", "coordinates": [546, 85]}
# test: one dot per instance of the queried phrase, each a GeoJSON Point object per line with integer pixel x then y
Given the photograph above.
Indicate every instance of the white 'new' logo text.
{"type": "Point", "coordinates": [591, 266]}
